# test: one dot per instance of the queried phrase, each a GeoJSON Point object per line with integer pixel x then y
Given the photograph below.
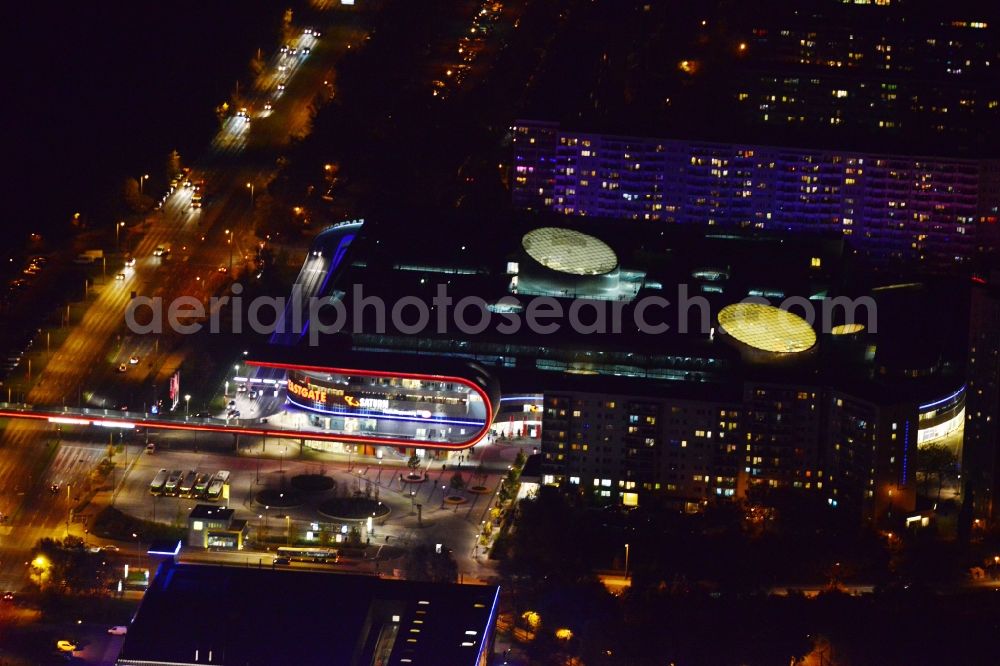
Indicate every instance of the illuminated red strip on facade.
{"type": "Point", "coordinates": [289, 434]}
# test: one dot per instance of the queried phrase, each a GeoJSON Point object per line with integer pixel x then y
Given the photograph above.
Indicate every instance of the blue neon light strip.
{"type": "Point", "coordinates": [942, 400]}
{"type": "Point", "coordinates": [489, 625]}
{"type": "Point", "coordinates": [521, 397]}
{"type": "Point", "coordinates": [160, 552]}
{"type": "Point", "coordinates": [338, 256]}
{"type": "Point", "coordinates": [387, 417]}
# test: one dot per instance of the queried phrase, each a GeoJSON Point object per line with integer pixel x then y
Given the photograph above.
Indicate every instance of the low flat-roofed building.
{"type": "Point", "coordinates": [195, 614]}
{"type": "Point", "coordinates": [215, 527]}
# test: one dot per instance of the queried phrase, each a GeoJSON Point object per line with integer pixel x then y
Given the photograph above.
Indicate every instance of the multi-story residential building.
{"type": "Point", "coordinates": [621, 447]}
{"type": "Point", "coordinates": [882, 70]}
{"type": "Point", "coordinates": [933, 212]}
{"type": "Point", "coordinates": [982, 430]}
{"type": "Point", "coordinates": [853, 447]}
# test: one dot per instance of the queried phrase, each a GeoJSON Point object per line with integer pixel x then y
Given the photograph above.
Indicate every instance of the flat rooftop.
{"type": "Point", "coordinates": [209, 511]}
{"type": "Point", "coordinates": [194, 614]}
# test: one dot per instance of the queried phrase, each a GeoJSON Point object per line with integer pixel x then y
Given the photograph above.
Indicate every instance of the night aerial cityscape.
{"type": "Point", "coordinates": [501, 333]}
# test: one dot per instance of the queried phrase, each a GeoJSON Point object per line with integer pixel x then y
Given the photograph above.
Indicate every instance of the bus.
{"type": "Point", "coordinates": [214, 490]}
{"type": "Point", "coordinates": [201, 484]}
{"type": "Point", "coordinates": [156, 485]}
{"type": "Point", "coordinates": [170, 487]}
{"type": "Point", "coordinates": [308, 554]}
{"type": "Point", "coordinates": [187, 485]}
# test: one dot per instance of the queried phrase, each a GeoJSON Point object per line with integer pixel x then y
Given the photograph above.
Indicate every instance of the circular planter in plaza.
{"type": "Point", "coordinates": [479, 490]}
{"type": "Point", "coordinates": [278, 498]}
{"type": "Point", "coordinates": [414, 478]}
{"type": "Point", "coordinates": [455, 500]}
{"type": "Point", "coordinates": [312, 483]}
{"type": "Point", "coordinates": [354, 508]}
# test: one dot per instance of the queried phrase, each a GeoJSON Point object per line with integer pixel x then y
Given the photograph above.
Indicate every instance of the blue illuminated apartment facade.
{"type": "Point", "coordinates": [891, 209]}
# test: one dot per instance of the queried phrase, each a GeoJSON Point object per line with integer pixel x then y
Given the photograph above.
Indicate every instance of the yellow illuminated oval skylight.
{"type": "Point", "coordinates": [568, 251]}
{"type": "Point", "coordinates": [767, 328]}
{"type": "Point", "coordinates": [847, 329]}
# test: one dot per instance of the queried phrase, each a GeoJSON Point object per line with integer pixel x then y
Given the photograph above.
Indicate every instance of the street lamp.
{"type": "Point", "coordinates": [250, 187]}
{"type": "Point", "coordinates": [138, 550]}
{"type": "Point", "coordinates": [142, 179]}
{"type": "Point", "coordinates": [118, 228]}
{"type": "Point", "coordinates": [229, 242]}
{"type": "Point", "coordinates": [187, 404]}
{"type": "Point", "coordinates": [626, 561]}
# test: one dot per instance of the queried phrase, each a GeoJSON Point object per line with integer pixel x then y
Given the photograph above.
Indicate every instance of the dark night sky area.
{"type": "Point", "coordinates": [99, 91]}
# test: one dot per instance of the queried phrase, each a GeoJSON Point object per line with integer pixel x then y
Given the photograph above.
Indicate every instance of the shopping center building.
{"type": "Point", "coordinates": [372, 401]}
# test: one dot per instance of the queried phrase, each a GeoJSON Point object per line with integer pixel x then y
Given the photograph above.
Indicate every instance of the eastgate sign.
{"type": "Point", "coordinates": [307, 391]}
{"type": "Point", "coordinates": [327, 396]}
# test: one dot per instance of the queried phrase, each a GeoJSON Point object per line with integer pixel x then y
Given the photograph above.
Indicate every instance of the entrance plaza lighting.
{"type": "Point", "coordinates": [767, 328]}
{"type": "Point", "coordinates": [568, 251]}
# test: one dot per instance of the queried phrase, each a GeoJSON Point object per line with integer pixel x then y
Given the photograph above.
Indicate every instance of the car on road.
{"type": "Point", "coordinates": [161, 251]}
{"type": "Point", "coordinates": [267, 106]}
{"type": "Point", "coordinates": [54, 488]}
{"type": "Point", "coordinates": [120, 276]}
{"type": "Point", "coordinates": [8, 596]}
{"type": "Point", "coordinates": [109, 549]}
{"type": "Point", "coordinates": [222, 269]}
{"type": "Point", "coordinates": [119, 630]}
{"type": "Point", "coordinates": [122, 367]}
{"type": "Point", "coordinates": [281, 87]}
{"type": "Point", "coordinates": [282, 560]}
{"type": "Point", "coordinates": [66, 646]}
{"type": "Point", "coordinates": [130, 261]}
{"type": "Point", "coordinates": [151, 448]}
{"type": "Point", "coordinates": [133, 360]}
